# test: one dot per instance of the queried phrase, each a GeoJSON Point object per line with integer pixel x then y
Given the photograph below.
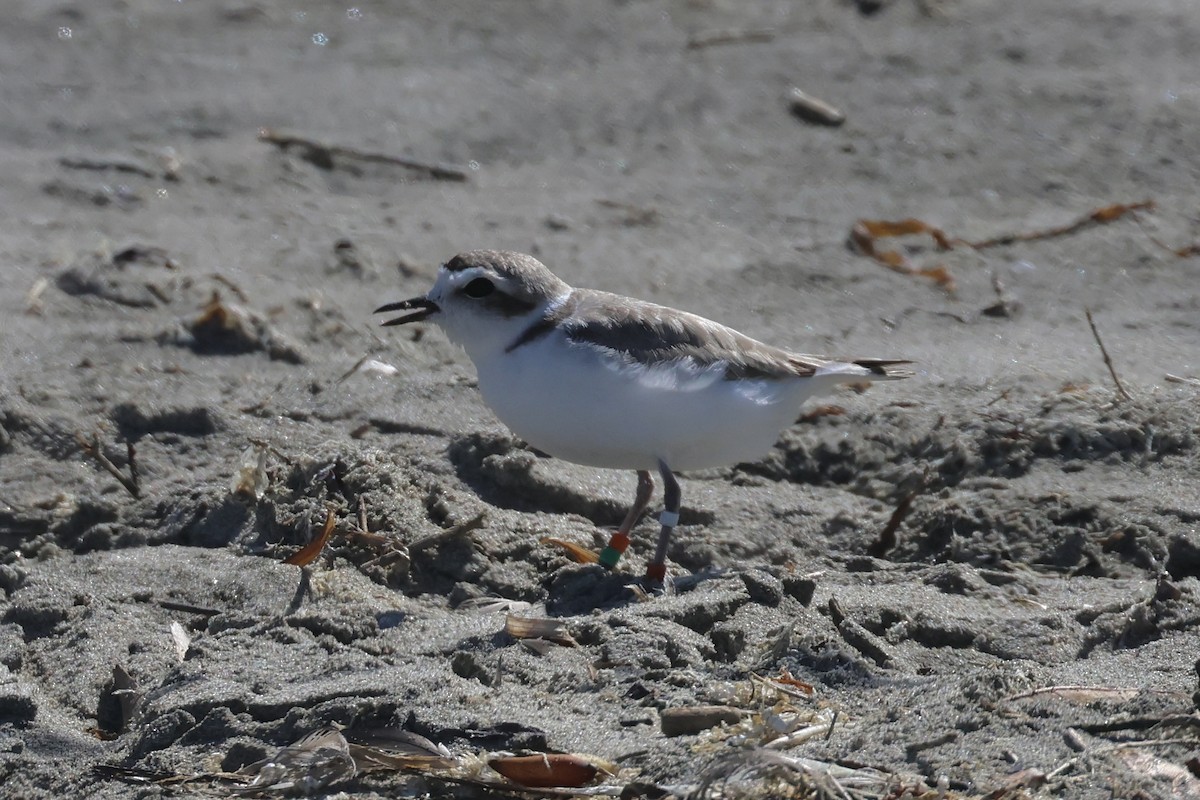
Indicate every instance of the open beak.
{"type": "Point", "coordinates": [424, 309]}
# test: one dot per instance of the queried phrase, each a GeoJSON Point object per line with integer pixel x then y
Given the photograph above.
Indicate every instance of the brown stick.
{"type": "Point", "coordinates": [1097, 216]}
{"type": "Point", "coordinates": [322, 155]}
{"type": "Point", "coordinates": [1124, 395]}
{"type": "Point", "coordinates": [94, 450]}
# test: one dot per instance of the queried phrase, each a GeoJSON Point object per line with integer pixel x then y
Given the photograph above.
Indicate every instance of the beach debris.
{"type": "Point", "coordinates": [1097, 216]}
{"type": "Point", "coordinates": [546, 770]}
{"type": "Point", "coordinates": [391, 748]}
{"type": "Point", "coordinates": [90, 164]}
{"type": "Point", "coordinates": [492, 604]}
{"type": "Point", "coordinates": [1005, 305]}
{"type": "Point", "coordinates": [813, 110]}
{"type": "Point", "coordinates": [94, 450]}
{"type": "Point", "coordinates": [388, 550]}
{"type": "Point", "coordinates": [462, 529]}
{"type": "Point", "coordinates": [335, 157]}
{"type": "Point", "coordinates": [859, 637]}
{"type": "Point", "coordinates": [226, 329]}
{"type": "Point", "coordinates": [368, 364]}
{"type": "Point", "coordinates": [307, 554]}
{"type": "Point", "coordinates": [577, 552]}
{"type": "Point", "coordinates": [1108, 362]}
{"type": "Point", "coordinates": [688, 720]}
{"type": "Point", "coordinates": [1182, 379]}
{"type": "Point", "coordinates": [551, 630]}
{"type": "Point", "coordinates": [348, 258]}
{"type": "Point", "coordinates": [632, 216]}
{"type": "Point", "coordinates": [1082, 695]}
{"type": "Point", "coordinates": [314, 762]}
{"type": "Point", "coordinates": [251, 479]}
{"type": "Point", "coordinates": [784, 683]}
{"type": "Point", "coordinates": [33, 298]}
{"type": "Point", "coordinates": [866, 233]}
{"type": "Point", "coordinates": [1180, 252]}
{"type": "Point", "coordinates": [107, 275]}
{"type": "Point", "coordinates": [760, 772]}
{"type": "Point", "coordinates": [887, 537]}
{"type": "Point", "coordinates": [705, 39]}
{"type": "Point", "coordinates": [119, 701]}
{"type": "Point", "coordinates": [181, 640]}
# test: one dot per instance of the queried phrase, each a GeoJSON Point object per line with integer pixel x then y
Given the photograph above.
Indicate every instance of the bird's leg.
{"type": "Point", "coordinates": [656, 570]}
{"type": "Point", "coordinates": [610, 555]}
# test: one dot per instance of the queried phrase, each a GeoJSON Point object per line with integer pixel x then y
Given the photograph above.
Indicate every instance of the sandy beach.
{"type": "Point", "coordinates": [980, 582]}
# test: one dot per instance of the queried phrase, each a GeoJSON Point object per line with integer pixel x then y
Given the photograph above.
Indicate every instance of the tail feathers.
{"type": "Point", "coordinates": [872, 369]}
{"type": "Point", "coordinates": [884, 369]}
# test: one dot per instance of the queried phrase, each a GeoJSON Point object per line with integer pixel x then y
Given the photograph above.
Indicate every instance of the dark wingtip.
{"type": "Point", "coordinates": [886, 367]}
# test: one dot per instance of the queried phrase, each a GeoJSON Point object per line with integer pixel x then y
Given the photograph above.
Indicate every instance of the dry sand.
{"type": "Point", "coordinates": [1051, 538]}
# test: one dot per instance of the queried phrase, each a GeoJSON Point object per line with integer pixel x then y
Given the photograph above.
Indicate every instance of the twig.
{"type": "Point", "coordinates": [94, 450]}
{"type": "Point", "coordinates": [1119, 692]}
{"type": "Point", "coordinates": [473, 524]}
{"type": "Point", "coordinates": [131, 455]}
{"type": "Point", "coordinates": [1179, 252]}
{"type": "Point", "coordinates": [105, 165]}
{"type": "Point", "coordinates": [1181, 379]}
{"type": "Point", "coordinates": [887, 537]}
{"type": "Point", "coordinates": [1124, 395]}
{"type": "Point", "coordinates": [323, 156]}
{"type": "Point", "coordinates": [1098, 216]}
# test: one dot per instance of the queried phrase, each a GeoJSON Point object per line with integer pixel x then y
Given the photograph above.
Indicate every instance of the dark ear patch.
{"type": "Point", "coordinates": [508, 306]}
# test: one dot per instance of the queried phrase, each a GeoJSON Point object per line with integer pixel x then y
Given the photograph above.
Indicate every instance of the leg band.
{"type": "Point", "coordinates": [656, 572]}
{"type": "Point", "coordinates": [610, 555]}
{"type": "Point", "coordinates": [668, 519]}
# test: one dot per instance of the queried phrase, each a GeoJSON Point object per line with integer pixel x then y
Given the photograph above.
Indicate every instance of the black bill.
{"type": "Point", "coordinates": [423, 306]}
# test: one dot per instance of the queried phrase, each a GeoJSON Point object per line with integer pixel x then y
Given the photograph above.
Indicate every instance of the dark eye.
{"type": "Point", "coordinates": [480, 287]}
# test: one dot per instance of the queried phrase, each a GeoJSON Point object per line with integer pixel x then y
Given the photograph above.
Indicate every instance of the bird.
{"type": "Point", "coordinates": [614, 382]}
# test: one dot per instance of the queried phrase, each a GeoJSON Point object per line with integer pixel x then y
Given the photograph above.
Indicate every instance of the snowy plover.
{"type": "Point", "coordinates": [610, 381]}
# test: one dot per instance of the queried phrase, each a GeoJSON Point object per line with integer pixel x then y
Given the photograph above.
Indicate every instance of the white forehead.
{"type": "Point", "coordinates": [453, 279]}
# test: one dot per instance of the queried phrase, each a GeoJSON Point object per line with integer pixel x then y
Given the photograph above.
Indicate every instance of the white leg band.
{"type": "Point", "coordinates": [668, 519]}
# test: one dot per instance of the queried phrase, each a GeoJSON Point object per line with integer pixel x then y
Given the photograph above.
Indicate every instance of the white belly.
{"type": "Point", "coordinates": [579, 406]}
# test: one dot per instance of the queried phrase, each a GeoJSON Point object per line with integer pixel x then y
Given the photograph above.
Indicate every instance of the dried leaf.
{"type": "Point", "coordinates": [307, 554]}
{"type": "Point", "coordinates": [578, 552]}
{"type": "Point", "coordinates": [553, 630]}
{"type": "Point", "coordinates": [546, 770]}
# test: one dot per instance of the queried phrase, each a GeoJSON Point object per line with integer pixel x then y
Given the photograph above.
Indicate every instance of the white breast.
{"type": "Point", "coordinates": [578, 404]}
